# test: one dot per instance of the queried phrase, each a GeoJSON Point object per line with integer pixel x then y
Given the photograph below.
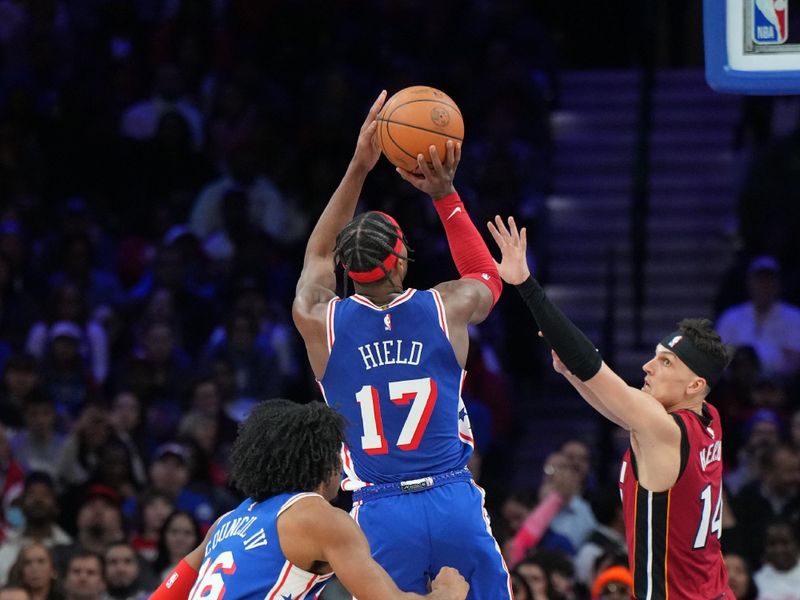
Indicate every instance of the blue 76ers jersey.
{"type": "Point", "coordinates": [244, 561]}
{"type": "Point", "coordinates": [393, 374]}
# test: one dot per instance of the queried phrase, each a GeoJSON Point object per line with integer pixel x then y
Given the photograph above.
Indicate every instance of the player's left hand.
{"type": "Point", "coordinates": [436, 178]}
{"type": "Point", "coordinates": [512, 243]}
{"type": "Point", "coordinates": [558, 366]}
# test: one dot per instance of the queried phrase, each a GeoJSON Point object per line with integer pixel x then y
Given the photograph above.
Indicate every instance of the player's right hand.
{"type": "Point", "coordinates": [367, 149]}
{"type": "Point", "coordinates": [449, 584]}
{"type": "Point", "coordinates": [513, 267]}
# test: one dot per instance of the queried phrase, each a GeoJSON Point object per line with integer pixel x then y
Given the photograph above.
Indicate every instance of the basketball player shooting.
{"type": "Point", "coordinates": [285, 540]}
{"type": "Point", "coordinates": [671, 475]}
{"type": "Point", "coordinates": [391, 361]}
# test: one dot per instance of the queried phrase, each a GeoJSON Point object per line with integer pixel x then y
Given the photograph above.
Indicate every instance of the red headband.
{"type": "Point", "coordinates": [388, 263]}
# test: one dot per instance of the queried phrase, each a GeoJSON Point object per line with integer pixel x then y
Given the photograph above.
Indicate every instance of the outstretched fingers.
{"type": "Point", "coordinates": [374, 110]}
{"type": "Point", "coordinates": [496, 235]}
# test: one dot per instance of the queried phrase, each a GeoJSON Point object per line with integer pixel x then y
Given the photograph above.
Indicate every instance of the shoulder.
{"type": "Point", "coordinates": [461, 295]}
{"type": "Point", "coordinates": [789, 311]}
{"type": "Point", "coordinates": [734, 312]}
{"type": "Point", "coordinates": [312, 512]}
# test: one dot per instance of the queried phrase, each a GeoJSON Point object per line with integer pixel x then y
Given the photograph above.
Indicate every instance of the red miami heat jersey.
{"type": "Point", "coordinates": [674, 536]}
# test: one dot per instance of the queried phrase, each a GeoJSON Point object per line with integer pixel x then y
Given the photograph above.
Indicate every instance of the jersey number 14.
{"type": "Point", "coordinates": [419, 394]}
{"type": "Point", "coordinates": [705, 518]}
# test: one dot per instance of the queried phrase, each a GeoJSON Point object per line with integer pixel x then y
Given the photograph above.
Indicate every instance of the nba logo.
{"type": "Point", "coordinates": [674, 341]}
{"type": "Point", "coordinates": [770, 21]}
{"type": "Point", "coordinates": [387, 322]}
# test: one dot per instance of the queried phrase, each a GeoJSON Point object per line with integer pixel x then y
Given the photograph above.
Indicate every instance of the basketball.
{"type": "Point", "coordinates": [414, 119]}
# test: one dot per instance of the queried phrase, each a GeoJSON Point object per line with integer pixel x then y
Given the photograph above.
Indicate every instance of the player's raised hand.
{"type": "Point", "coordinates": [436, 178]}
{"type": "Point", "coordinates": [513, 267]}
{"type": "Point", "coordinates": [449, 585]}
{"type": "Point", "coordinates": [367, 149]}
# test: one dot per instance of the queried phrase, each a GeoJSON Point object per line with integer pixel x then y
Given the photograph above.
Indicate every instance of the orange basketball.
{"type": "Point", "coordinates": [414, 119]}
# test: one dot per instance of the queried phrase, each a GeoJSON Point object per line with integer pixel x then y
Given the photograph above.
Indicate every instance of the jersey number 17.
{"type": "Point", "coordinates": [419, 394]}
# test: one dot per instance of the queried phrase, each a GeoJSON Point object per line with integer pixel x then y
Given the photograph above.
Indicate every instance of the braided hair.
{"type": "Point", "coordinates": [286, 447]}
{"type": "Point", "coordinates": [366, 241]}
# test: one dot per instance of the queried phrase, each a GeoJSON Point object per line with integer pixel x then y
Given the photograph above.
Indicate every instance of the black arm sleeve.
{"type": "Point", "coordinates": [573, 348]}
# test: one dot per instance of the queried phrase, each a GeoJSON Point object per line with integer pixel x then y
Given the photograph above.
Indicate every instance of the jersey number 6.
{"type": "Point", "coordinates": [419, 393]}
{"type": "Point", "coordinates": [209, 584]}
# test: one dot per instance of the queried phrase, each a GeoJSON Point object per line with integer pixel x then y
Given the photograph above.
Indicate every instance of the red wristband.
{"type": "Point", "coordinates": [178, 583]}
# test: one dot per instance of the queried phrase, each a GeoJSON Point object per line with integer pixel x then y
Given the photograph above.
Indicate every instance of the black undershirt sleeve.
{"type": "Point", "coordinates": [573, 348]}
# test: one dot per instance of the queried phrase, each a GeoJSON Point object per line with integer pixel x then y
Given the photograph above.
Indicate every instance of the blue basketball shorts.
{"type": "Point", "coordinates": [413, 535]}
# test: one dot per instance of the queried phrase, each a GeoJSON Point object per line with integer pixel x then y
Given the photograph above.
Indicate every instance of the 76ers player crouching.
{"type": "Point", "coordinates": [285, 540]}
{"type": "Point", "coordinates": [390, 360]}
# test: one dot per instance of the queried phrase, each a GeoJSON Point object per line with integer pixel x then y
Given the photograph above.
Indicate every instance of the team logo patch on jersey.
{"type": "Point", "coordinates": [674, 341]}
{"type": "Point", "coordinates": [387, 322]}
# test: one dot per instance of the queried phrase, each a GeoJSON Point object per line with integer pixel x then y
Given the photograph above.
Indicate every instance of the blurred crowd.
{"type": "Point", "coordinates": [161, 164]}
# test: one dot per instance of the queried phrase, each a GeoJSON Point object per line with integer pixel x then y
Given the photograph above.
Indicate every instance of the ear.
{"type": "Point", "coordinates": [698, 385]}
{"type": "Point", "coordinates": [402, 268]}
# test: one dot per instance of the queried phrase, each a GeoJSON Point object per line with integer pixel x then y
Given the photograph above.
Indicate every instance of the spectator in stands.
{"type": "Point", "coordinates": [232, 121]}
{"type": "Point", "coordinates": [204, 398]}
{"type": "Point", "coordinates": [11, 473]}
{"type": "Point", "coordinates": [68, 306]}
{"type": "Point", "coordinates": [775, 495]}
{"type": "Point", "coordinates": [740, 579]}
{"type": "Point", "coordinates": [40, 509]}
{"type": "Point", "coordinates": [66, 376]}
{"type": "Point", "coordinates": [779, 577]}
{"type": "Point", "coordinates": [80, 453]}
{"type": "Point", "coordinates": [84, 577]}
{"type": "Point", "coordinates": [125, 578]}
{"type": "Point", "coordinates": [170, 474]}
{"type": "Point", "coordinates": [520, 587]}
{"type": "Point", "coordinates": [615, 583]}
{"type": "Point", "coordinates": [38, 444]}
{"type": "Point", "coordinates": [575, 520]}
{"type": "Point", "coordinates": [771, 326]}
{"type": "Point", "coordinates": [256, 373]}
{"type": "Point", "coordinates": [733, 394]}
{"type": "Point", "coordinates": [200, 431]}
{"type": "Point", "coordinates": [127, 420]}
{"type": "Point", "coordinates": [608, 535]}
{"type": "Point", "coordinates": [762, 431]}
{"type": "Point", "coordinates": [20, 378]}
{"type": "Point", "coordinates": [276, 335]}
{"type": "Point", "coordinates": [180, 535]}
{"type": "Point", "coordinates": [153, 509]}
{"type": "Point", "coordinates": [99, 522]}
{"type": "Point", "coordinates": [34, 570]}
{"type": "Point", "coordinates": [194, 311]}
{"type": "Point", "coordinates": [115, 469]}
{"type": "Point", "coordinates": [533, 571]}
{"type": "Point", "coordinates": [533, 528]}
{"type": "Point", "coordinates": [266, 207]}
{"type": "Point", "coordinates": [77, 261]}
{"type": "Point", "coordinates": [140, 121]}
{"type": "Point", "coordinates": [562, 574]}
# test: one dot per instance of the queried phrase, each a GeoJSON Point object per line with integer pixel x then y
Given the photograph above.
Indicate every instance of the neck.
{"type": "Point", "coordinates": [39, 593]}
{"type": "Point", "coordinates": [38, 531]}
{"type": "Point", "coordinates": [381, 294]}
{"type": "Point", "coordinates": [693, 404]}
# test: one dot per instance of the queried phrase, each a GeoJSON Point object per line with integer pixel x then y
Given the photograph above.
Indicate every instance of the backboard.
{"type": "Point", "coordinates": [752, 46]}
